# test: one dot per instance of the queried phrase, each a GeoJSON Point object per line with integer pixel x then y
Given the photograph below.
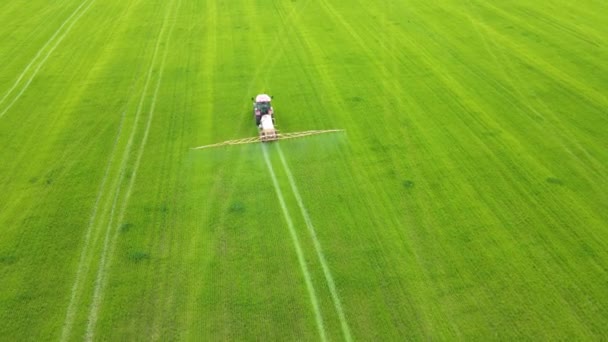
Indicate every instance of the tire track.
{"type": "Point", "coordinates": [74, 293]}
{"type": "Point", "coordinates": [311, 229]}
{"type": "Point", "coordinates": [69, 157]}
{"type": "Point", "coordinates": [516, 94]}
{"type": "Point", "coordinates": [541, 64]}
{"type": "Point", "coordinates": [109, 246]}
{"type": "Point", "coordinates": [272, 57]}
{"type": "Point", "coordinates": [116, 184]}
{"type": "Point", "coordinates": [10, 17]}
{"type": "Point", "coordinates": [269, 59]}
{"type": "Point", "coordinates": [395, 90]}
{"type": "Point", "coordinates": [159, 240]}
{"type": "Point", "coordinates": [20, 77]}
{"type": "Point", "coordinates": [84, 259]}
{"type": "Point", "coordinates": [327, 80]}
{"type": "Point", "coordinates": [163, 238]}
{"type": "Point", "coordinates": [503, 64]}
{"type": "Point", "coordinates": [297, 246]}
{"type": "Point", "coordinates": [550, 215]}
{"type": "Point", "coordinates": [41, 64]}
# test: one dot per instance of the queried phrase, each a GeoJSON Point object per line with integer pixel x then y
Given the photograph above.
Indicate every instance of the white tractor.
{"type": "Point", "coordinates": [264, 118]}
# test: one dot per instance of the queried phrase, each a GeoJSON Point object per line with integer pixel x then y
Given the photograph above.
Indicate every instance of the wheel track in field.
{"type": "Point", "coordinates": [461, 95]}
{"type": "Point", "coordinates": [540, 63]}
{"type": "Point", "coordinates": [272, 57]}
{"type": "Point", "coordinates": [70, 21]}
{"type": "Point", "coordinates": [311, 229]}
{"type": "Point", "coordinates": [514, 91]}
{"type": "Point", "coordinates": [268, 62]}
{"type": "Point", "coordinates": [122, 170]}
{"type": "Point", "coordinates": [338, 307]}
{"type": "Point", "coordinates": [38, 54]}
{"type": "Point", "coordinates": [74, 293]}
{"type": "Point", "coordinates": [390, 87]}
{"type": "Point", "coordinates": [450, 83]}
{"type": "Point", "coordinates": [89, 238]}
{"type": "Point", "coordinates": [70, 156]}
{"type": "Point", "coordinates": [503, 63]}
{"type": "Point", "coordinates": [269, 59]}
{"type": "Point", "coordinates": [110, 239]}
{"type": "Point", "coordinates": [296, 242]}
{"type": "Point", "coordinates": [432, 61]}
{"type": "Point", "coordinates": [454, 86]}
{"type": "Point", "coordinates": [325, 268]}
{"type": "Point", "coordinates": [40, 16]}
{"type": "Point", "coordinates": [163, 240]}
{"type": "Point", "coordinates": [524, 105]}
{"type": "Point", "coordinates": [564, 133]}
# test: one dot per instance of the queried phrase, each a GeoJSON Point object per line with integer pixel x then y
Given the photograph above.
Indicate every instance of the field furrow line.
{"type": "Point", "coordinates": [503, 64]}
{"type": "Point", "coordinates": [392, 88]}
{"type": "Point", "coordinates": [539, 165]}
{"type": "Point", "coordinates": [109, 246]}
{"type": "Point", "coordinates": [20, 77]}
{"type": "Point", "coordinates": [455, 87]}
{"type": "Point", "coordinates": [365, 48]}
{"type": "Point", "coordinates": [84, 262]}
{"type": "Point", "coordinates": [210, 57]}
{"type": "Point", "coordinates": [82, 266]}
{"type": "Point", "coordinates": [329, 83]}
{"type": "Point", "coordinates": [71, 156]}
{"type": "Point", "coordinates": [311, 229]}
{"type": "Point", "coordinates": [591, 14]}
{"type": "Point", "coordinates": [558, 75]}
{"type": "Point", "coordinates": [41, 64]}
{"type": "Point", "coordinates": [297, 246]}
{"type": "Point", "coordinates": [345, 24]}
{"type": "Point", "coordinates": [552, 73]}
{"type": "Point", "coordinates": [533, 27]}
{"type": "Point", "coordinates": [273, 56]}
{"type": "Point", "coordinates": [38, 17]}
{"type": "Point", "coordinates": [579, 29]}
{"type": "Point", "coordinates": [142, 147]}
{"type": "Point", "coordinates": [164, 240]}
{"type": "Point", "coordinates": [462, 94]}
{"type": "Point", "coordinates": [122, 171]}
{"type": "Point", "coordinates": [268, 60]}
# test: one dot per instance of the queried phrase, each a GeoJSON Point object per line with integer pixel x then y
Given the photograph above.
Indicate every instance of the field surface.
{"type": "Point", "coordinates": [466, 199]}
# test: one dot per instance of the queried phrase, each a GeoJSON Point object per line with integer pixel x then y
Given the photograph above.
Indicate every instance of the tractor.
{"type": "Point", "coordinates": [264, 117]}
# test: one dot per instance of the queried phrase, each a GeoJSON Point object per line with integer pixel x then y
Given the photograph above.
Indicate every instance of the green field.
{"type": "Point", "coordinates": [466, 199]}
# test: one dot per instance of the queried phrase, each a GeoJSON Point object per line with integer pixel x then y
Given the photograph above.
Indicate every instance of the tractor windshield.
{"type": "Point", "coordinates": [263, 107]}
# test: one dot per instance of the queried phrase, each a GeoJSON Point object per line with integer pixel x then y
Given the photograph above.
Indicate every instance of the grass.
{"type": "Point", "coordinates": [466, 199]}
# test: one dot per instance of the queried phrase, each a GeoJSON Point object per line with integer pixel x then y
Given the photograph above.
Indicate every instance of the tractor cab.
{"type": "Point", "coordinates": [262, 106]}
